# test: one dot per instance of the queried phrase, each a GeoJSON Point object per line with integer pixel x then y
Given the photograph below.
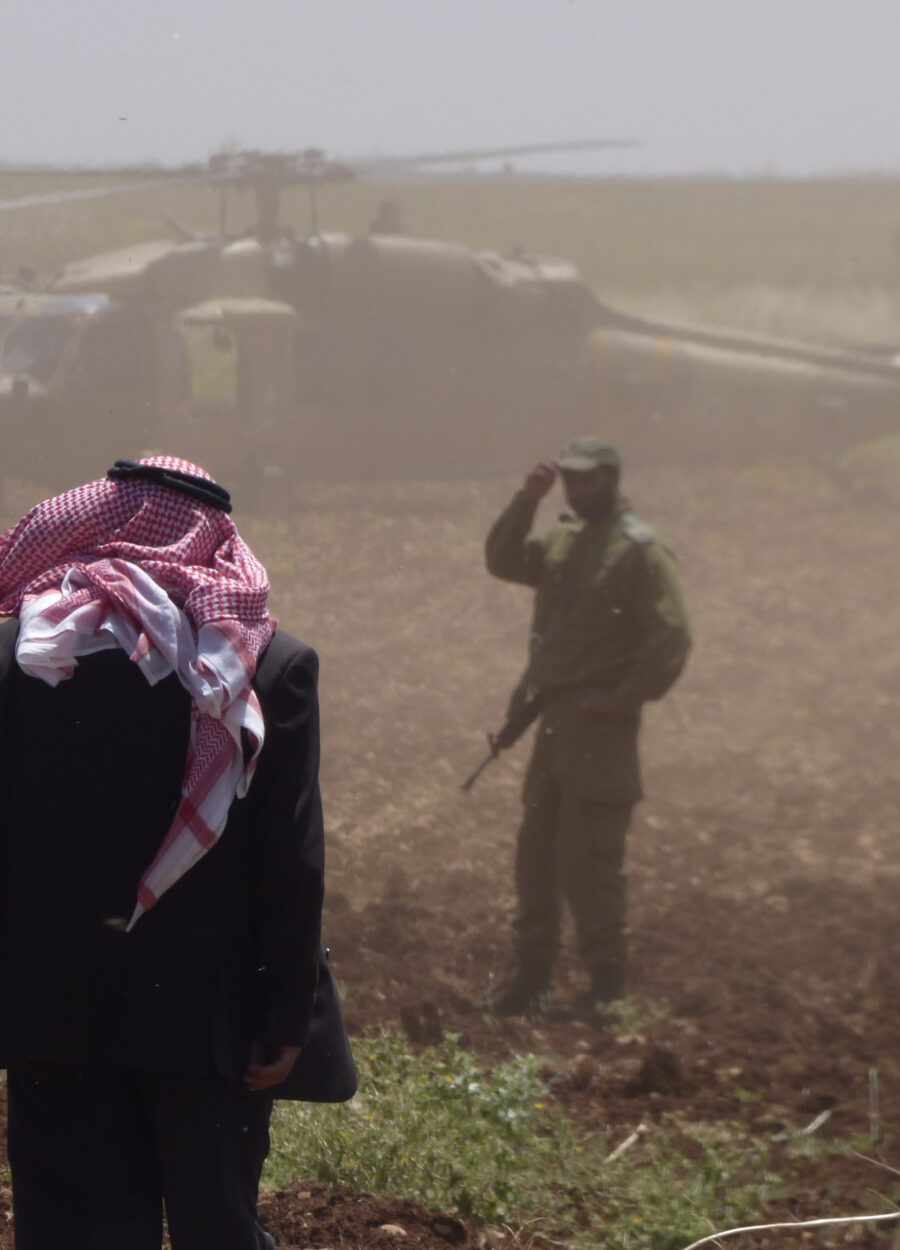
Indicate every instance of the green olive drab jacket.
{"type": "Point", "coordinates": [608, 617]}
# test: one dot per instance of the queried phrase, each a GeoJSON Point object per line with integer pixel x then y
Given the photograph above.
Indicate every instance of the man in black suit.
{"type": "Point", "coordinates": [161, 869]}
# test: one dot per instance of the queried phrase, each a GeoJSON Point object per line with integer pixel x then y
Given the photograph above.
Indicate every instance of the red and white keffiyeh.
{"type": "Point", "coordinates": [140, 566]}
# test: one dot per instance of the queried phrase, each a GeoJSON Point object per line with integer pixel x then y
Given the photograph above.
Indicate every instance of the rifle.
{"type": "Point", "coordinates": [524, 708]}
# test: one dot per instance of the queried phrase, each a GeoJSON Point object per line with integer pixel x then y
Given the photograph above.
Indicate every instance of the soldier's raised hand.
{"type": "Point", "coordinates": [540, 479]}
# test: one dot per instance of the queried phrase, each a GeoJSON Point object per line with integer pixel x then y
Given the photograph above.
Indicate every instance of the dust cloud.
{"type": "Point", "coordinates": [763, 863]}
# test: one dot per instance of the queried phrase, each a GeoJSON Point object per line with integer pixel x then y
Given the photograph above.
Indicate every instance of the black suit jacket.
{"type": "Point", "coordinates": [90, 777]}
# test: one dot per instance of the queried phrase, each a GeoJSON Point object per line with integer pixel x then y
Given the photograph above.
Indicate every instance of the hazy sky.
{"type": "Point", "coordinates": [790, 86]}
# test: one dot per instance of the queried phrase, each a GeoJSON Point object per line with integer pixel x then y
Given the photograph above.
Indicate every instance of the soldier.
{"type": "Point", "coordinates": [609, 633]}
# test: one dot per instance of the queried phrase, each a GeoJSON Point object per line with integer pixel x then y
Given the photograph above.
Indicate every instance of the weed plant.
{"type": "Point", "coordinates": [436, 1127]}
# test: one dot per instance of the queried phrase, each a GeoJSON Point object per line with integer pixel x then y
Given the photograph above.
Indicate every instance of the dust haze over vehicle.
{"type": "Point", "coordinates": [382, 355]}
{"type": "Point", "coordinates": [354, 355]}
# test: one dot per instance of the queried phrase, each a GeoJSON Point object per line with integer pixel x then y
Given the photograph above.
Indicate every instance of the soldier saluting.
{"type": "Point", "coordinates": [609, 633]}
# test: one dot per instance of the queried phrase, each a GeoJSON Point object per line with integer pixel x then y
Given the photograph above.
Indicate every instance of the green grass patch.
{"type": "Point", "coordinates": [636, 1014]}
{"type": "Point", "coordinates": [492, 1146]}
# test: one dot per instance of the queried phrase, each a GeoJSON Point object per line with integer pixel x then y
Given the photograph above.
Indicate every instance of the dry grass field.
{"type": "Point", "coordinates": [765, 863]}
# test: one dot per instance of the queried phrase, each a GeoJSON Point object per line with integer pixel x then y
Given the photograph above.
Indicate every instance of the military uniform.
{"type": "Point", "coordinates": [608, 620]}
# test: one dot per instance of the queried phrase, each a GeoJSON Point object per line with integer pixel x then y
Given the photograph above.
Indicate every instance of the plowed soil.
{"type": "Point", "coordinates": [763, 866]}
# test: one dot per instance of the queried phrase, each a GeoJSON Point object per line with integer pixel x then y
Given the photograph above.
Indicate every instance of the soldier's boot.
{"type": "Point", "coordinates": [525, 993]}
{"type": "Point", "coordinates": [607, 983]}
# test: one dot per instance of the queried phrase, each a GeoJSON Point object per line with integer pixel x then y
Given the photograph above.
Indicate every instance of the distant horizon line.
{"type": "Point", "coordinates": [766, 173]}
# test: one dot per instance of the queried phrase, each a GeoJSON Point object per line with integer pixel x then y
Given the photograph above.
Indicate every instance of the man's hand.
{"type": "Point", "coordinates": [540, 479]}
{"type": "Point", "coordinates": [269, 1065]}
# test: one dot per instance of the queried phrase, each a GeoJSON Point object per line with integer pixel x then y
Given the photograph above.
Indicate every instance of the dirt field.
{"type": "Point", "coordinates": [764, 864]}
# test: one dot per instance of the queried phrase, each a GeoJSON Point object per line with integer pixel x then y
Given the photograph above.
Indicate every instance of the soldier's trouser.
{"type": "Point", "coordinates": [571, 847]}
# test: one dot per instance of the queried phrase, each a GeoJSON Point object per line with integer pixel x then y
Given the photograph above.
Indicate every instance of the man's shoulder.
{"type": "Point", "coordinates": [285, 651]}
{"type": "Point", "coordinates": [641, 545]}
{"type": "Point", "coordinates": [636, 530]}
{"type": "Point", "coordinates": [286, 682]}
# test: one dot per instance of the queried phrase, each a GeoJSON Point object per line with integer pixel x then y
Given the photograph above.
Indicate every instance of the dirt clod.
{"type": "Point", "coordinates": [659, 1073]}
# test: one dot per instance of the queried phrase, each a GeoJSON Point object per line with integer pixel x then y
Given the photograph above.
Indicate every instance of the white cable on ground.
{"type": "Point", "coordinates": [762, 1228]}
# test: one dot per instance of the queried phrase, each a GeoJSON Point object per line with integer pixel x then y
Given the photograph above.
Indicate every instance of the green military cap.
{"type": "Point", "coordinates": [588, 452]}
